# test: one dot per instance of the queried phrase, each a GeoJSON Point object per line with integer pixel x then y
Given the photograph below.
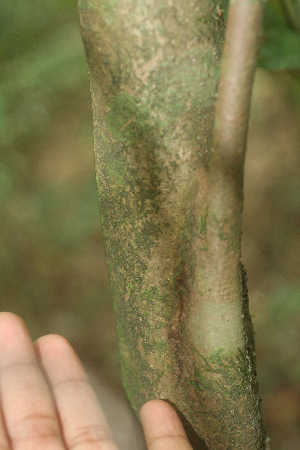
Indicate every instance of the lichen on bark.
{"type": "Point", "coordinates": [154, 69]}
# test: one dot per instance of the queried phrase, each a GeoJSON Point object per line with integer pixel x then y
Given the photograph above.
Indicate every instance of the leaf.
{"type": "Point", "coordinates": [281, 46]}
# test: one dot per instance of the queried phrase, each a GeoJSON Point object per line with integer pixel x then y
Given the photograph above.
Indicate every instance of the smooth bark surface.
{"type": "Point", "coordinates": [171, 213]}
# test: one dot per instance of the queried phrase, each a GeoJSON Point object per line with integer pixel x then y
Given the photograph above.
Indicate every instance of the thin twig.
{"type": "Point", "coordinates": [242, 42]}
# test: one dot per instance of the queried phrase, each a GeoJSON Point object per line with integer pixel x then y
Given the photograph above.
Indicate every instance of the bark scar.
{"type": "Point", "coordinates": [132, 119]}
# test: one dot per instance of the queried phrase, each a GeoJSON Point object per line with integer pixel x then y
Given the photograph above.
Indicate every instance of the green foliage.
{"type": "Point", "coordinates": [52, 270]}
{"type": "Point", "coordinates": [279, 339]}
{"type": "Point", "coordinates": [24, 23]}
{"type": "Point", "coordinates": [291, 11]}
{"type": "Point", "coordinates": [281, 46]}
{"type": "Point", "coordinates": [42, 59]}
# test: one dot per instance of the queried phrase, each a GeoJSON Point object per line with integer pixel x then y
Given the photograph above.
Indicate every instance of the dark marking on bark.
{"type": "Point", "coordinates": [132, 119]}
{"type": "Point", "coordinates": [176, 330]}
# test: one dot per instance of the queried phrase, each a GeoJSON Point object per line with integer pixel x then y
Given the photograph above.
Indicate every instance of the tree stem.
{"type": "Point", "coordinates": [239, 60]}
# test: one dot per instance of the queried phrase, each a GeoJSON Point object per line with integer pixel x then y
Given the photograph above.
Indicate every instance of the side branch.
{"type": "Point", "coordinates": [242, 42]}
{"type": "Point", "coordinates": [219, 322]}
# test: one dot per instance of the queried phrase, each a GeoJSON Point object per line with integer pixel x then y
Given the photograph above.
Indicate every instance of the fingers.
{"type": "Point", "coordinates": [83, 422]}
{"type": "Point", "coordinates": [29, 415]}
{"type": "Point", "coordinates": [67, 416]}
{"type": "Point", "coordinates": [47, 401]}
{"type": "Point", "coordinates": [162, 427]}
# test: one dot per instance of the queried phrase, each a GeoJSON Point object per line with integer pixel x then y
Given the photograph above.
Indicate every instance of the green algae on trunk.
{"type": "Point", "coordinates": [154, 69]}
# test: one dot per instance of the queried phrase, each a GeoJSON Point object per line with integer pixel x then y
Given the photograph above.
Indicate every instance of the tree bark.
{"type": "Point", "coordinates": [170, 194]}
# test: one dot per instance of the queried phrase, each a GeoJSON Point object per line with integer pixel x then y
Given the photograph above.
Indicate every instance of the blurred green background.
{"type": "Point", "coordinates": [53, 271]}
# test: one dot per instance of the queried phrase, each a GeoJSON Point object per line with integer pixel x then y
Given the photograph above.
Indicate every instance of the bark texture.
{"type": "Point", "coordinates": [171, 214]}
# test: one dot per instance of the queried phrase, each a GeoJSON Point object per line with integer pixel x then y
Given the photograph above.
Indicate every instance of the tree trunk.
{"type": "Point", "coordinates": [170, 194]}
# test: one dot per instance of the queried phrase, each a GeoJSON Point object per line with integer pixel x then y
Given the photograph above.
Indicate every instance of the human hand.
{"type": "Point", "coordinates": [47, 402]}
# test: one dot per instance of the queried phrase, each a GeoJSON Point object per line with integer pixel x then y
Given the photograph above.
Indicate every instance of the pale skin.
{"type": "Point", "coordinates": [47, 402]}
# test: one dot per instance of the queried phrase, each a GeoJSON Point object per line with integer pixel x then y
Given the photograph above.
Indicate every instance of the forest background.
{"type": "Point", "coordinates": [53, 272]}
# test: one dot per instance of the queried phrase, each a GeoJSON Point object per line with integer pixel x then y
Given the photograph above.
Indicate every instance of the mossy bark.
{"type": "Point", "coordinates": [184, 329]}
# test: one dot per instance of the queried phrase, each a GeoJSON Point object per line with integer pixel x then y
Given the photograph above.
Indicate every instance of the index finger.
{"type": "Point", "coordinates": [162, 427]}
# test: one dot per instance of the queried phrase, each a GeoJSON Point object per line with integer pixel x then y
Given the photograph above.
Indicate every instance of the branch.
{"type": "Point", "coordinates": [237, 70]}
{"type": "Point", "coordinates": [225, 197]}
{"type": "Point", "coordinates": [242, 42]}
{"type": "Point", "coordinates": [221, 281]}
